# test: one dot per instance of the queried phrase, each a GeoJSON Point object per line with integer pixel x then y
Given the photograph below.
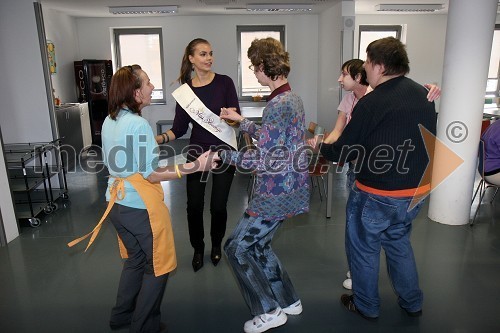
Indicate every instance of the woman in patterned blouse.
{"type": "Point", "coordinates": [279, 163]}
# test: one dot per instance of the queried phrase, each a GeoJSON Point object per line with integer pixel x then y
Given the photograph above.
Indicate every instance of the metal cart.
{"type": "Point", "coordinates": [31, 167]}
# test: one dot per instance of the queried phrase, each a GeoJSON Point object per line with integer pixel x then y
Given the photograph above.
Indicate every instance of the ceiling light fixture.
{"type": "Point", "coordinates": [144, 10]}
{"type": "Point", "coordinates": [282, 7]}
{"type": "Point", "coordinates": [409, 7]}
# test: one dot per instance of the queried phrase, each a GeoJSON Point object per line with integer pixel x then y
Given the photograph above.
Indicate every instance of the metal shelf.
{"type": "Point", "coordinates": [30, 175]}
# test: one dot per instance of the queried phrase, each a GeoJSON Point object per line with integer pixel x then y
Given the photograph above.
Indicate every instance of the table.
{"type": "Point", "coordinates": [329, 189]}
{"type": "Point", "coordinates": [160, 123]}
{"type": "Point", "coordinates": [253, 113]}
{"type": "Point", "coordinates": [491, 110]}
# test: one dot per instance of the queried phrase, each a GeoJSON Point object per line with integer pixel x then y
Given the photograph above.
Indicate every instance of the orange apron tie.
{"type": "Point", "coordinates": [117, 191]}
{"type": "Point", "coordinates": [164, 258]}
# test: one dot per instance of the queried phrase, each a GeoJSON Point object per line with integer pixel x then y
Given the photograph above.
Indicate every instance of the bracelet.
{"type": "Point", "coordinates": [178, 171]}
{"type": "Point", "coordinates": [163, 136]}
{"type": "Point", "coordinates": [168, 138]}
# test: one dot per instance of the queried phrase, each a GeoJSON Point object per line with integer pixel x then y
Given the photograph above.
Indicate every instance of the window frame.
{"type": "Point", "coordinates": [117, 32]}
{"type": "Point", "coordinates": [368, 28]}
{"type": "Point", "coordinates": [493, 94]}
{"type": "Point", "coordinates": [253, 28]}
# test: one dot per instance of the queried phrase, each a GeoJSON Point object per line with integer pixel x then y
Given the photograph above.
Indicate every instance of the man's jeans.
{"type": "Point", "coordinates": [263, 280]}
{"type": "Point", "coordinates": [373, 222]}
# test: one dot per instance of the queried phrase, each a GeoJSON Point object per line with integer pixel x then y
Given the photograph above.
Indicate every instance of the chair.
{"type": "Point", "coordinates": [312, 127]}
{"type": "Point", "coordinates": [483, 184]}
{"type": "Point", "coordinates": [318, 168]}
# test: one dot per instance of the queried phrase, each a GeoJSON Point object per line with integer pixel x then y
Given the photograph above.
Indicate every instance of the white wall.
{"type": "Point", "coordinates": [61, 30]}
{"type": "Point", "coordinates": [24, 111]}
{"type": "Point", "coordinates": [330, 26]}
{"type": "Point", "coordinates": [24, 115]}
{"type": "Point", "coordinates": [425, 36]}
{"type": "Point", "coordinates": [94, 42]}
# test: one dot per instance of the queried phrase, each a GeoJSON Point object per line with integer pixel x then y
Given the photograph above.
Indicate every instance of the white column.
{"type": "Point", "coordinates": [469, 38]}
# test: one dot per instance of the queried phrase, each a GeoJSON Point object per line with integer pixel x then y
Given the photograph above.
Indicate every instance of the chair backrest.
{"type": "Point", "coordinates": [318, 165]}
{"type": "Point", "coordinates": [481, 157]}
{"type": "Point", "coordinates": [484, 125]}
{"type": "Point", "coordinates": [312, 127]}
{"type": "Point", "coordinates": [248, 141]}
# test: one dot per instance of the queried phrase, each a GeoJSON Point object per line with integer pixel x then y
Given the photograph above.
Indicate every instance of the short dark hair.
{"type": "Point", "coordinates": [122, 90]}
{"type": "Point", "coordinates": [270, 53]}
{"type": "Point", "coordinates": [391, 53]}
{"type": "Point", "coordinates": [355, 67]}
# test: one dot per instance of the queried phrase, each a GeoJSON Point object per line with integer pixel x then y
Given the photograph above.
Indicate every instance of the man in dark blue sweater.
{"type": "Point", "coordinates": [384, 135]}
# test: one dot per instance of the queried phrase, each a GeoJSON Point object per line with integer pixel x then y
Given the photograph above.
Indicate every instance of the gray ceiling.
{"type": "Point", "coordinates": [99, 8]}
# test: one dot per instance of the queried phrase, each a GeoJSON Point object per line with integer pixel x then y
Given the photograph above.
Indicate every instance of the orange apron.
{"type": "Point", "coordinates": [164, 259]}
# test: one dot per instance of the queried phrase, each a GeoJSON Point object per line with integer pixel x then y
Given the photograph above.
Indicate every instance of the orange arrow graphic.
{"type": "Point", "coordinates": [436, 173]}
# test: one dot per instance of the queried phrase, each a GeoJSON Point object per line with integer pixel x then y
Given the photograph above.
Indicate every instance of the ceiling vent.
{"type": "Point", "coordinates": [281, 7]}
{"type": "Point", "coordinates": [216, 2]}
{"type": "Point", "coordinates": [141, 10]}
{"type": "Point", "coordinates": [415, 8]}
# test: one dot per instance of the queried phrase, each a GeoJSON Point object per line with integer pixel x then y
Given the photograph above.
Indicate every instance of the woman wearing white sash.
{"type": "Point", "coordinates": [215, 91]}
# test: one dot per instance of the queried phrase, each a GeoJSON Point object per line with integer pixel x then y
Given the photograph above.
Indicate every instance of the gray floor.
{"type": "Point", "coordinates": [47, 287]}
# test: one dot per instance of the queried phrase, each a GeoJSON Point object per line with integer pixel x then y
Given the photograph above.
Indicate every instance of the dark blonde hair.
{"type": "Point", "coordinates": [270, 53]}
{"type": "Point", "coordinates": [122, 90]}
{"type": "Point", "coordinates": [186, 66]}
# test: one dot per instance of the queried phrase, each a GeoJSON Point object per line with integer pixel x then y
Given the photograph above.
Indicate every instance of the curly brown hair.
{"type": "Point", "coordinates": [122, 90]}
{"type": "Point", "coordinates": [270, 53]}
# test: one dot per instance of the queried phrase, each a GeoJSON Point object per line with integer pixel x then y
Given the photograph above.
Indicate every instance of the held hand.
{"type": "Point", "coordinates": [230, 114]}
{"type": "Point", "coordinates": [434, 92]}
{"type": "Point", "coordinates": [207, 161]}
{"type": "Point", "coordinates": [311, 142]}
{"type": "Point", "coordinates": [314, 142]}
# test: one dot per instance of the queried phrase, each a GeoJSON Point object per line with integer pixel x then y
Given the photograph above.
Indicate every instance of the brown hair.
{"type": "Point", "coordinates": [270, 53]}
{"type": "Point", "coordinates": [122, 90]}
{"type": "Point", "coordinates": [186, 66]}
{"type": "Point", "coordinates": [391, 53]}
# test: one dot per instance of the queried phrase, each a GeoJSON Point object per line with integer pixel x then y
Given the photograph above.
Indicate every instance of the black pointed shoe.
{"type": "Point", "coordinates": [348, 302]}
{"type": "Point", "coordinates": [216, 255]}
{"type": "Point", "coordinates": [197, 261]}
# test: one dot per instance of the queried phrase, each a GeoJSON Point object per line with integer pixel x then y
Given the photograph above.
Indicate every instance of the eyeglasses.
{"type": "Point", "coordinates": [254, 68]}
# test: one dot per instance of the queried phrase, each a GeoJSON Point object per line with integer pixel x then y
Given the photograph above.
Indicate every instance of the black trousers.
{"type": "Point", "coordinates": [139, 293]}
{"type": "Point", "coordinates": [222, 178]}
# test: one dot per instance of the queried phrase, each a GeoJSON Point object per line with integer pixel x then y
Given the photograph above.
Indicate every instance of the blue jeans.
{"type": "Point", "coordinates": [263, 280]}
{"type": "Point", "coordinates": [373, 222]}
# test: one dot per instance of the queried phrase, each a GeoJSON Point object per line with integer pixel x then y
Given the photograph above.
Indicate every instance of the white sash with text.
{"type": "Point", "coordinates": [195, 108]}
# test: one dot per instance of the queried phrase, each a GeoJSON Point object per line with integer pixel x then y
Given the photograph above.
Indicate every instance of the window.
{"type": "Point", "coordinates": [142, 46]}
{"type": "Point", "coordinates": [493, 83]}
{"type": "Point", "coordinates": [369, 33]}
{"type": "Point", "coordinates": [248, 85]}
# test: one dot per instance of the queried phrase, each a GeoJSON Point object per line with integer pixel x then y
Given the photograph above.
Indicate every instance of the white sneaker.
{"type": "Point", "coordinates": [294, 309]}
{"type": "Point", "coordinates": [263, 322]}
{"type": "Point", "coordinates": [347, 284]}
{"type": "Point", "coordinates": [348, 274]}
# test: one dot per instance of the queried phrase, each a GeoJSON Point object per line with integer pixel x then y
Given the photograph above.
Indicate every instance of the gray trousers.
{"type": "Point", "coordinates": [263, 280]}
{"type": "Point", "coordinates": [139, 293]}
